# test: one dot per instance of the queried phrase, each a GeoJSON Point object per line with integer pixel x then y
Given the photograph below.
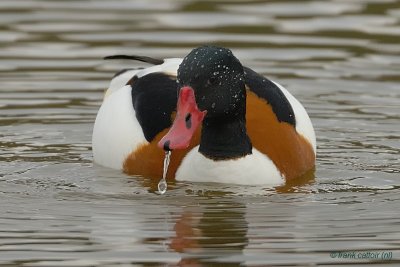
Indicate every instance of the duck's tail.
{"type": "Point", "coordinates": [150, 60]}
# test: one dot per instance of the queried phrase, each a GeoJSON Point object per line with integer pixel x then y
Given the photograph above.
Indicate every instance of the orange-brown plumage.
{"type": "Point", "coordinates": [292, 154]}
{"type": "Point", "coordinates": [148, 159]}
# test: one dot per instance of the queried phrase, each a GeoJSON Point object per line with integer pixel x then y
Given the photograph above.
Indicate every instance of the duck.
{"type": "Point", "coordinates": [222, 122]}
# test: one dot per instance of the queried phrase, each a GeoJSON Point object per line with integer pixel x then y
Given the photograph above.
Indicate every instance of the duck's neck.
{"type": "Point", "coordinates": [225, 138]}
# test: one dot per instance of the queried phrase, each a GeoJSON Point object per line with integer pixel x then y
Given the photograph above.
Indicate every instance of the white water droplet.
{"type": "Point", "coordinates": [162, 184]}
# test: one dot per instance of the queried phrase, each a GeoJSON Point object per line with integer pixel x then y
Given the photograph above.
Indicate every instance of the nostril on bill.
{"type": "Point", "coordinates": [166, 145]}
{"type": "Point", "coordinates": [188, 120]}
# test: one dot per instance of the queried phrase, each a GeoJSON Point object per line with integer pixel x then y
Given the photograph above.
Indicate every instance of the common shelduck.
{"type": "Point", "coordinates": [223, 122]}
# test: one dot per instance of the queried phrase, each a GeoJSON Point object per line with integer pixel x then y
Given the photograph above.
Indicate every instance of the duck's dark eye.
{"type": "Point", "coordinates": [212, 80]}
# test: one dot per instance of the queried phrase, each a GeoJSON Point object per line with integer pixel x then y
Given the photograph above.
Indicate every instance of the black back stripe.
{"type": "Point", "coordinates": [154, 98]}
{"type": "Point", "coordinates": [271, 93]}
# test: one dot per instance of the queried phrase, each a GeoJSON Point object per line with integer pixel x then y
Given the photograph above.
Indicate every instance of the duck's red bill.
{"type": "Point", "coordinates": [187, 120]}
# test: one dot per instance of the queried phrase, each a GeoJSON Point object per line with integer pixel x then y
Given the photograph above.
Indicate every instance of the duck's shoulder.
{"type": "Point", "coordinates": [272, 94]}
{"type": "Point", "coordinates": [136, 107]}
{"type": "Point", "coordinates": [284, 105]}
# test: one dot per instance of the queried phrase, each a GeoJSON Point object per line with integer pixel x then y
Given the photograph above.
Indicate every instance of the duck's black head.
{"type": "Point", "coordinates": [217, 79]}
{"type": "Point", "coordinates": [211, 87]}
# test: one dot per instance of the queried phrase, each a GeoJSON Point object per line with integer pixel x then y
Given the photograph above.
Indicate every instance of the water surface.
{"type": "Point", "coordinates": [339, 58]}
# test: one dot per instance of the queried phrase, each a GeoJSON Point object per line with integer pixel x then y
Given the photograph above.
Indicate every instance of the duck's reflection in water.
{"type": "Point", "coordinates": [210, 231]}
